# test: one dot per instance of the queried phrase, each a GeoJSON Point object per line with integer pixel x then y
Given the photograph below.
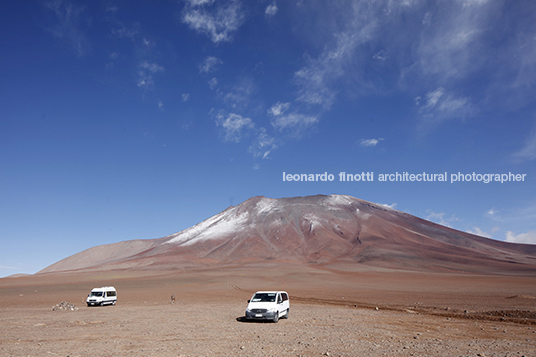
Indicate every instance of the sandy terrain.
{"type": "Point", "coordinates": [332, 313]}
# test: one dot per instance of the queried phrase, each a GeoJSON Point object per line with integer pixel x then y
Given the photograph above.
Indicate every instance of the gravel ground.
{"type": "Point", "coordinates": [209, 328]}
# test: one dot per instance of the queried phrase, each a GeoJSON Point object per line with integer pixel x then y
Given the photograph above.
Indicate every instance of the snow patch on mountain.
{"type": "Point", "coordinates": [338, 200]}
{"type": "Point", "coordinates": [224, 223]}
{"type": "Point", "coordinates": [313, 220]}
{"type": "Point", "coordinates": [362, 215]}
{"type": "Point", "coordinates": [266, 205]}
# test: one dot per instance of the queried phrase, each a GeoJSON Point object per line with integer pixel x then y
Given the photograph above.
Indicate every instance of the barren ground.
{"type": "Point", "coordinates": [332, 313]}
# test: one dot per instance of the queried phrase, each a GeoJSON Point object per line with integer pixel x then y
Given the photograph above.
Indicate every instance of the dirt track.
{"type": "Point", "coordinates": [206, 320]}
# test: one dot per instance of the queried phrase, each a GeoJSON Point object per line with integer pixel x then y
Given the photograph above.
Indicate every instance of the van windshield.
{"type": "Point", "coordinates": [264, 297]}
{"type": "Point", "coordinates": [96, 293]}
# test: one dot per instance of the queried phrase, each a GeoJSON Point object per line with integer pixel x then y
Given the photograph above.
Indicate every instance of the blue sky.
{"type": "Point", "coordinates": [128, 120]}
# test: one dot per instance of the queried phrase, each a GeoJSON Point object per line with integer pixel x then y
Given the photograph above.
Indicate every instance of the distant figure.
{"type": "Point", "coordinates": [173, 298]}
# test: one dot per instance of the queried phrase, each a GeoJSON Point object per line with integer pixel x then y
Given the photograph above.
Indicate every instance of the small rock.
{"type": "Point", "coordinates": [64, 306]}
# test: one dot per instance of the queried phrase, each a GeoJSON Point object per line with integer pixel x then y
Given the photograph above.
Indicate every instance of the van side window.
{"type": "Point", "coordinates": [284, 296]}
{"type": "Point", "coordinates": [110, 293]}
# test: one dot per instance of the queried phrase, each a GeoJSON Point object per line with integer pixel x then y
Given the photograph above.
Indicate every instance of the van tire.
{"type": "Point", "coordinates": [286, 314]}
{"type": "Point", "coordinates": [276, 317]}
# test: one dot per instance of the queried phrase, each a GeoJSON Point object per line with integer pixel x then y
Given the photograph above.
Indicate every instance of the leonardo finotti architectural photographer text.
{"type": "Point", "coordinates": [406, 177]}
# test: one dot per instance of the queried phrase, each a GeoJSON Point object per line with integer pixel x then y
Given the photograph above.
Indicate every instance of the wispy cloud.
{"type": "Point", "coordinates": [70, 25]}
{"type": "Point", "coordinates": [479, 232]}
{"type": "Point", "coordinates": [209, 64]}
{"type": "Point", "coordinates": [120, 30]}
{"type": "Point", "coordinates": [294, 122]}
{"type": "Point", "coordinates": [370, 142]}
{"type": "Point", "coordinates": [240, 95]}
{"type": "Point", "coordinates": [263, 144]}
{"type": "Point", "coordinates": [152, 67]}
{"type": "Point", "coordinates": [435, 51]}
{"type": "Point", "coordinates": [145, 75]}
{"type": "Point", "coordinates": [441, 218]}
{"type": "Point", "coordinates": [391, 206]}
{"type": "Point", "coordinates": [438, 105]}
{"type": "Point", "coordinates": [528, 151]}
{"type": "Point", "coordinates": [278, 108]}
{"type": "Point", "coordinates": [234, 126]}
{"type": "Point", "coordinates": [271, 10]}
{"type": "Point", "coordinates": [213, 83]}
{"type": "Point", "coordinates": [527, 237]}
{"type": "Point", "coordinates": [218, 21]}
{"type": "Point", "coordinates": [342, 61]}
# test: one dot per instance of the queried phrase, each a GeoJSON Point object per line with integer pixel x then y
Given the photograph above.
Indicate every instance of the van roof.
{"type": "Point", "coordinates": [271, 292]}
{"type": "Point", "coordinates": [104, 288]}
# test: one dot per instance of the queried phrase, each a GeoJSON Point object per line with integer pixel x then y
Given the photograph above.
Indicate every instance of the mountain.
{"type": "Point", "coordinates": [336, 231]}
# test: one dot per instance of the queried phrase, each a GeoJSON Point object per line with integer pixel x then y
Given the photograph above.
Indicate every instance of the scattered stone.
{"type": "Point", "coordinates": [521, 297]}
{"type": "Point", "coordinates": [64, 306]}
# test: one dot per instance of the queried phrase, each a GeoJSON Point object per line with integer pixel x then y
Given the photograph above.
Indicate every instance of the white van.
{"type": "Point", "coordinates": [268, 305]}
{"type": "Point", "coordinates": [102, 296]}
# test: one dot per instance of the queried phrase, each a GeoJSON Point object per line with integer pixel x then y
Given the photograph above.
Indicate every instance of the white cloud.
{"type": "Point", "coordinates": [528, 151]}
{"type": "Point", "coordinates": [528, 237]}
{"type": "Point", "coordinates": [145, 81]}
{"type": "Point", "coordinates": [218, 22]}
{"type": "Point", "coordinates": [271, 10]}
{"type": "Point", "coordinates": [422, 48]}
{"type": "Point", "coordinates": [70, 26]}
{"type": "Point", "coordinates": [440, 105]}
{"type": "Point", "coordinates": [294, 121]}
{"type": "Point", "coordinates": [121, 31]}
{"type": "Point", "coordinates": [200, 2]}
{"type": "Point", "coordinates": [441, 219]}
{"type": "Point", "coordinates": [449, 43]}
{"type": "Point", "coordinates": [479, 232]}
{"type": "Point", "coordinates": [185, 97]}
{"type": "Point", "coordinates": [152, 67]}
{"type": "Point", "coordinates": [278, 108]}
{"type": "Point", "coordinates": [492, 212]}
{"type": "Point", "coordinates": [370, 142]}
{"type": "Point", "coordinates": [239, 96]}
{"type": "Point", "coordinates": [391, 206]}
{"type": "Point", "coordinates": [319, 80]}
{"type": "Point", "coordinates": [263, 145]}
{"type": "Point", "coordinates": [160, 105]}
{"type": "Point", "coordinates": [209, 64]}
{"type": "Point", "coordinates": [213, 83]}
{"type": "Point", "coordinates": [381, 56]}
{"type": "Point", "coordinates": [233, 126]}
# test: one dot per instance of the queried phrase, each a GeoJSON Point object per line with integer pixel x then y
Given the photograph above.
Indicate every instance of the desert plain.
{"type": "Point", "coordinates": [364, 312]}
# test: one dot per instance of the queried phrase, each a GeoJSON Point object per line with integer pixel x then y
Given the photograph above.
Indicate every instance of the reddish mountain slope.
{"type": "Point", "coordinates": [336, 231]}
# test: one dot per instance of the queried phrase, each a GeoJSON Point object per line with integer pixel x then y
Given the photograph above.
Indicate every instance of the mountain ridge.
{"type": "Point", "coordinates": [329, 231]}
